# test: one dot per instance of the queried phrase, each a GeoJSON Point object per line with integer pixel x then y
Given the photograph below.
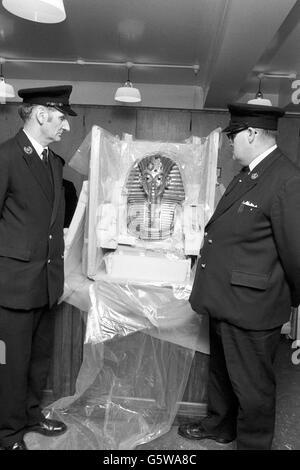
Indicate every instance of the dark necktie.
{"type": "Point", "coordinates": [245, 169]}
{"type": "Point", "coordinates": [45, 160]}
{"type": "Point", "coordinates": [45, 157]}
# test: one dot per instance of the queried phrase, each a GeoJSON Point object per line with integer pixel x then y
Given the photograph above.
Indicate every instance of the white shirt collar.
{"type": "Point", "coordinates": [36, 145]}
{"type": "Point", "coordinates": [260, 157]}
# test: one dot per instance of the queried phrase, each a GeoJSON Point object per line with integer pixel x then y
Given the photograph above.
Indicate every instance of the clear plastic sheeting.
{"type": "Point", "coordinates": [143, 209]}
{"type": "Point", "coordinates": [81, 158]}
{"type": "Point", "coordinates": [153, 198]}
{"type": "Point", "coordinates": [128, 393]}
{"type": "Point", "coordinates": [117, 310]}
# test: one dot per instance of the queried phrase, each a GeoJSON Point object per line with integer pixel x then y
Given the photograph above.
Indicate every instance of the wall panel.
{"type": "Point", "coordinates": [165, 125]}
{"type": "Point", "coordinates": [10, 122]}
{"type": "Point", "coordinates": [116, 120]}
{"type": "Point", "coordinates": [205, 122]}
{"type": "Point", "coordinates": [288, 137]}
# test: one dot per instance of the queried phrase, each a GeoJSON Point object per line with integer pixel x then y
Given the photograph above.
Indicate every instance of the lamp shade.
{"type": "Point", "coordinates": [6, 90]}
{"type": "Point", "coordinates": [128, 94]}
{"type": "Point", "coordinates": [260, 101]}
{"type": "Point", "coordinates": [41, 11]}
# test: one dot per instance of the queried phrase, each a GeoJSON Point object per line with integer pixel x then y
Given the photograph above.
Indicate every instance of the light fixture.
{"type": "Point", "coordinates": [127, 93]}
{"type": "Point", "coordinates": [259, 97]}
{"type": "Point", "coordinates": [41, 11]}
{"type": "Point", "coordinates": [290, 76]}
{"type": "Point", "coordinates": [6, 90]}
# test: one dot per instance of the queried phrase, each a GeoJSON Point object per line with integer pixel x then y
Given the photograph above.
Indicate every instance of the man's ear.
{"type": "Point", "coordinates": [41, 115]}
{"type": "Point", "coordinates": [251, 134]}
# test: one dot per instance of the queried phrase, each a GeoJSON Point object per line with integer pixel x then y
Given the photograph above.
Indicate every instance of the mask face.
{"type": "Point", "coordinates": [154, 175]}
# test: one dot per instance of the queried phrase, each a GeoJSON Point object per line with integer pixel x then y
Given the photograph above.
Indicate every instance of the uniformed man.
{"type": "Point", "coordinates": [31, 260]}
{"type": "Point", "coordinates": [247, 278]}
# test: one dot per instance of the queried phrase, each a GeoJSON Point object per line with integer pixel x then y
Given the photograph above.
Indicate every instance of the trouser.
{"type": "Point", "coordinates": [241, 385]}
{"type": "Point", "coordinates": [28, 338]}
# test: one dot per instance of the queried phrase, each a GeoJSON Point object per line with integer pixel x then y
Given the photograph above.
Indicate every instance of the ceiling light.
{"type": "Point", "coordinates": [260, 101]}
{"type": "Point", "coordinates": [41, 11]}
{"type": "Point", "coordinates": [259, 97]}
{"type": "Point", "coordinates": [127, 93]}
{"type": "Point", "coordinates": [6, 90]}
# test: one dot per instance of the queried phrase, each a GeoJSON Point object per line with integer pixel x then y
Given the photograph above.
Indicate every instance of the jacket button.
{"type": "Point", "coordinates": [205, 234]}
{"type": "Point", "coordinates": [50, 237]}
{"type": "Point", "coordinates": [210, 241]}
{"type": "Point", "coordinates": [49, 261]}
{"type": "Point", "coordinates": [203, 265]}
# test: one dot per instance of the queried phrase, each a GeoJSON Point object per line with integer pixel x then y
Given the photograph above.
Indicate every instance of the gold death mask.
{"type": "Point", "coordinates": [154, 190]}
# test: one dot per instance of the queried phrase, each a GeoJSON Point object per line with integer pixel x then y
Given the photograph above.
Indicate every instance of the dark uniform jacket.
{"type": "Point", "coordinates": [71, 200]}
{"type": "Point", "coordinates": [31, 226]}
{"type": "Point", "coordinates": [248, 273]}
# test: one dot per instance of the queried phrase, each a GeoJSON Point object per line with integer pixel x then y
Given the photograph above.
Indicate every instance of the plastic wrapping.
{"type": "Point", "coordinates": [141, 333]}
{"type": "Point", "coordinates": [81, 158]}
{"type": "Point", "coordinates": [150, 196]}
{"type": "Point", "coordinates": [117, 310]}
{"type": "Point", "coordinates": [139, 346]}
{"type": "Point", "coordinates": [128, 393]}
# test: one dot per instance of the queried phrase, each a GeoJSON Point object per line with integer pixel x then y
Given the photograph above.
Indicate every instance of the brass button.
{"type": "Point", "coordinates": [50, 237]}
{"type": "Point", "coordinates": [210, 241]}
{"type": "Point", "coordinates": [205, 234]}
{"type": "Point", "coordinates": [49, 261]}
{"type": "Point", "coordinates": [203, 265]}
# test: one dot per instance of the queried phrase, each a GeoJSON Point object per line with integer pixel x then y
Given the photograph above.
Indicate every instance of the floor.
{"type": "Point", "coordinates": [287, 429]}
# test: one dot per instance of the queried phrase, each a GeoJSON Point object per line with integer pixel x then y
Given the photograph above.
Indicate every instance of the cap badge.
{"type": "Point", "coordinates": [254, 176]}
{"type": "Point", "coordinates": [28, 150]}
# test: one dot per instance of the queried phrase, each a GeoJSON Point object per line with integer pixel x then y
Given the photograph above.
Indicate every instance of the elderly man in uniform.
{"type": "Point", "coordinates": [31, 260]}
{"type": "Point", "coordinates": [247, 278]}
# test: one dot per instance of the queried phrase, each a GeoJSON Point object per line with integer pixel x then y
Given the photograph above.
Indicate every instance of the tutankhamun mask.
{"type": "Point", "coordinates": [154, 191]}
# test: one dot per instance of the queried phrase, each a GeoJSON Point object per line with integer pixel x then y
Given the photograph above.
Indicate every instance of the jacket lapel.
{"type": "Point", "coordinates": [35, 165]}
{"type": "Point", "coordinates": [236, 190]}
{"type": "Point", "coordinates": [231, 197]}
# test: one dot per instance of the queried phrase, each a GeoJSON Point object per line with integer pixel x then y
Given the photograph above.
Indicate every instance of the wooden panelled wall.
{"type": "Point", "coordinates": [149, 124]}
{"type": "Point", "coordinates": [146, 124]}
